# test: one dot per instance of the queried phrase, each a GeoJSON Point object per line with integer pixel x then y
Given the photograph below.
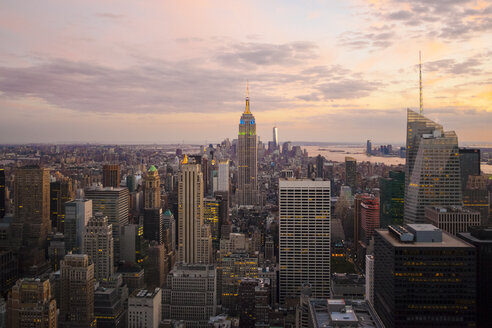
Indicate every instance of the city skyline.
{"type": "Point", "coordinates": [82, 72]}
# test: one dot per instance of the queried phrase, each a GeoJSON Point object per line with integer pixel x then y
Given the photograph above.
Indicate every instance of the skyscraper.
{"type": "Point", "coordinates": [77, 214]}
{"type": "Point", "coordinates": [304, 246]}
{"type": "Point", "coordinates": [275, 137]}
{"type": "Point", "coordinates": [152, 188]}
{"type": "Point", "coordinates": [194, 243]}
{"type": "Point", "coordinates": [481, 238]}
{"type": "Point", "coordinates": [469, 164]}
{"type": "Point", "coordinates": [77, 292]}
{"type": "Point", "coordinates": [2, 193]}
{"type": "Point", "coordinates": [98, 244]}
{"type": "Point", "coordinates": [392, 191]}
{"type": "Point", "coordinates": [113, 203]}
{"type": "Point", "coordinates": [433, 168]}
{"type": "Point", "coordinates": [423, 277]}
{"type": "Point", "coordinates": [247, 190]}
{"type": "Point", "coordinates": [223, 176]}
{"type": "Point", "coordinates": [351, 173]}
{"type": "Point", "coordinates": [60, 193]}
{"type": "Point", "coordinates": [31, 304]}
{"type": "Point", "coordinates": [144, 309]}
{"type": "Point", "coordinates": [111, 175]}
{"type": "Point", "coordinates": [32, 193]}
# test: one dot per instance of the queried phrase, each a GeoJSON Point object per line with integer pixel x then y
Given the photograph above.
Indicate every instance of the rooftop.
{"type": "Point", "coordinates": [448, 240]}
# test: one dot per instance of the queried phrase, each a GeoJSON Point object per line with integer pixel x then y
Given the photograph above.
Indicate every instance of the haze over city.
{"type": "Point", "coordinates": [176, 71]}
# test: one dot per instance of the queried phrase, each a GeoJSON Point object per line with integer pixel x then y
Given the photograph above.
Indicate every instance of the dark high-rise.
{"type": "Point", "coordinates": [424, 277]}
{"type": "Point", "coordinates": [111, 175]}
{"type": "Point", "coordinates": [2, 193]}
{"type": "Point", "coordinates": [469, 164]}
{"type": "Point", "coordinates": [392, 191]}
{"type": "Point", "coordinates": [60, 193]}
{"type": "Point", "coordinates": [351, 172]}
{"type": "Point", "coordinates": [481, 238]}
{"type": "Point", "coordinates": [320, 163]}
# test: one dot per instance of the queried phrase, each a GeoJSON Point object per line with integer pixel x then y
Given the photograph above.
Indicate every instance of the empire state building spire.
{"type": "Point", "coordinates": [247, 111]}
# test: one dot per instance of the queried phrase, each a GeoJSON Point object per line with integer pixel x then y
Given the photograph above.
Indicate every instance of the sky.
{"type": "Point", "coordinates": [162, 71]}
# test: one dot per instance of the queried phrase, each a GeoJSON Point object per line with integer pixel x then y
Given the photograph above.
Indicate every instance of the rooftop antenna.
{"type": "Point", "coordinates": [420, 84]}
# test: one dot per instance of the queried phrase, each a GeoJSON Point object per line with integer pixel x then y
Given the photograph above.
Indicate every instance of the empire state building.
{"type": "Point", "coordinates": [247, 159]}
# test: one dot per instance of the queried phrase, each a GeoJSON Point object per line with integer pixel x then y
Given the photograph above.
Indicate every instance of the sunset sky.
{"type": "Point", "coordinates": [175, 71]}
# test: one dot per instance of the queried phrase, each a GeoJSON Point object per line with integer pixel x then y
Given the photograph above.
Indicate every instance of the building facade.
{"type": "Point", "coordinates": [305, 237]}
{"type": "Point", "coordinates": [452, 219]}
{"type": "Point", "coordinates": [98, 245]}
{"type": "Point", "coordinates": [111, 175]}
{"type": "Point", "coordinates": [144, 309]}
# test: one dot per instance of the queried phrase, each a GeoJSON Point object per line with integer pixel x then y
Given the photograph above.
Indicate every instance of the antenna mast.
{"type": "Point", "coordinates": [420, 85]}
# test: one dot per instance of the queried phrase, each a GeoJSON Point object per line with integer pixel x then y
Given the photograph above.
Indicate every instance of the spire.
{"type": "Point", "coordinates": [420, 85]}
{"type": "Point", "coordinates": [185, 160]}
{"type": "Point", "coordinates": [247, 111]}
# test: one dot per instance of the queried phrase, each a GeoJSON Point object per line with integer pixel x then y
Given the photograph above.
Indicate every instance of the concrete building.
{"type": "Point", "coordinates": [369, 297]}
{"type": "Point", "coordinates": [223, 176]}
{"type": "Point", "coordinates": [113, 203]}
{"type": "Point", "coordinates": [155, 265]}
{"type": "Point", "coordinates": [152, 188]}
{"type": "Point", "coordinates": [190, 295]}
{"type": "Point", "coordinates": [194, 239]}
{"type": "Point", "coordinates": [77, 214]}
{"type": "Point", "coordinates": [31, 304]}
{"type": "Point", "coordinates": [144, 309]}
{"type": "Point", "coordinates": [77, 292]}
{"type": "Point", "coordinates": [98, 245]}
{"type": "Point", "coordinates": [341, 313]}
{"type": "Point", "coordinates": [60, 192]}
{"type": "Point", "coordinates": [452, 219]}
{"type": "Point", "coordinates": [247, 150]}
{"type": "Point", "coordinates": [111, 175]}
{"type": "Point", "coordinates": [423, 277]}
{"type": "Point", "coordinates": [131, 243]}
{"type": "Point", "coordinates": [481, 238]}
{"type": "Point", "coordinates": [305, 240]}
{"type": "Point", "coordinates": [109, 309]}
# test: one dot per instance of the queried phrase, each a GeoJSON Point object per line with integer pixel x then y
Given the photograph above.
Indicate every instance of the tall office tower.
{"type": "Point", "coordinates": [476, 197]}
{"type": "Point", "coordinates": [77, 292]}
{"type": "Point", "coordinates": [155, 265]}
{"type": "Point", "coordinates": [9, 271]}
{"type": "Point", "coordinates": [359, 240]}
{"type": "Point", "coordinates": [368, 147]}
{"type": "Point", "coordinates": [2, 193]}
{"type": "Point", "coordinates": [424, 277]}
{"type": "Point", "coordinates": [351, 173]}
{"type": "Point", "coordinates": [369, 217]}
{"type": "Point", "coordinates": [211, 212]}
{"type": "Point", "coordinates": [131, 182]}
{"type": "Point", "coordinates": [190, 294]}
{"type": "Point", "coordinates": [232, 268]}
{"type": "Point", "coordinates": [152, 188]}
{"type": "Point", "coordinates": [60, 192]}
{"type": "Point", "coordinates": [109, 308]}
{"type": "Point", "coordinates": [169, 222]}
{"type": "Point", "coordinates": [132, 242]}
{"type": "Point", "coordinates": [98, 244]}
{"type": "Point", "coordinates": [223, 176]}
{"type": "Point", "coordinates": [391, 199]}
{"type": "Point", "coordinates": [194, 244]}
{"type": "Point", "coordinates": [113, 203]}
{"type": "Point", "coordinates": [31, 224]}
{"type": "Point", "coordinates": [304, 245]}
{"type": "Point", "coordinates": [32, 193]}
{"type": "Point", "coordinates": [370, 279]}
{"type": "Point", "coordinates": [77, 214]}
{"type": "Point", "coordinates": [144, 309]}
{"type": "Point", "coordinates": [452, 219]}
{"type": "Point", "coordinates": [247, 189]}
{"type": "Point", "coordinates": [433, 175]}
{"type": "Point", "coordinates": [30, 304]}
{"type": "Point", "coordinates": [275, 137]}
{"type": "Point", "coordinates": [469, 164]}
{"type": "Point", "coordinates": [153, 224]}
{"type": "Point", "coordinates": [481, 238]}
{"type": "Point", "coordinates": [111, 175]}
{"type": "Point", "coordinates": [320, 165]}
